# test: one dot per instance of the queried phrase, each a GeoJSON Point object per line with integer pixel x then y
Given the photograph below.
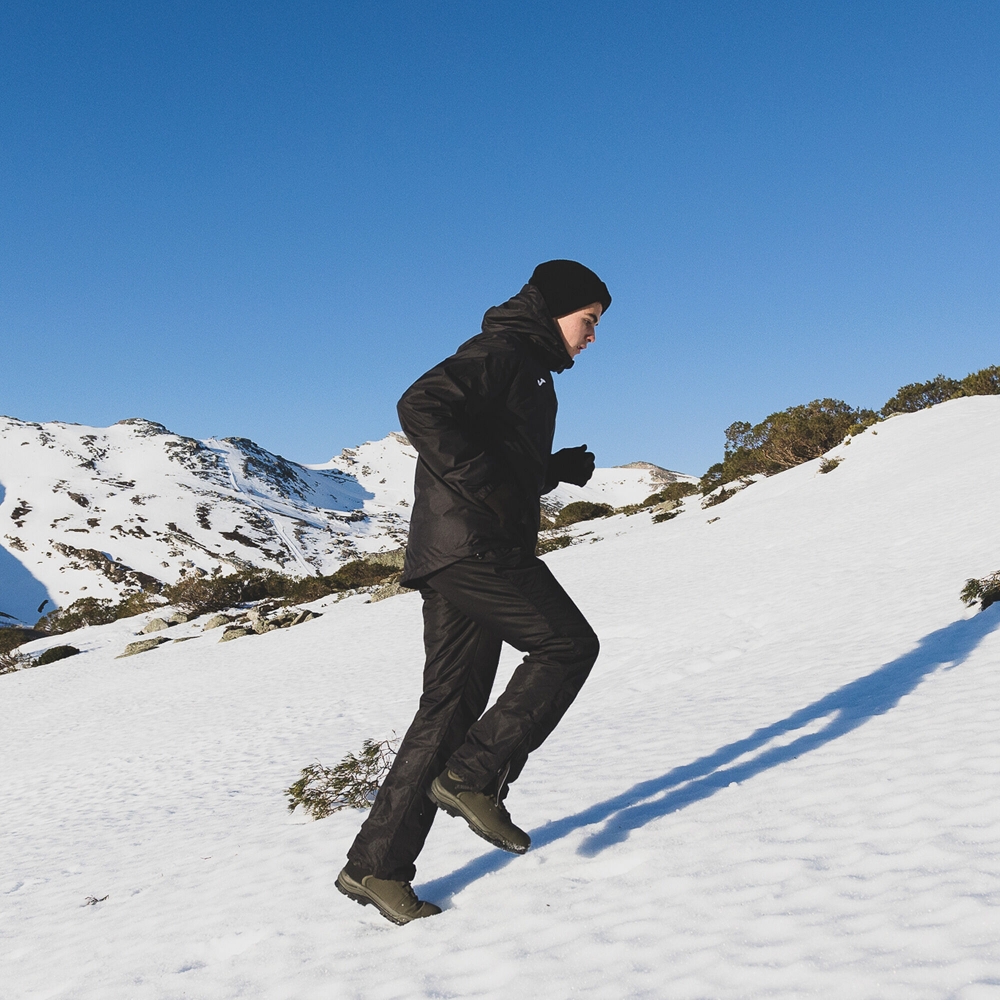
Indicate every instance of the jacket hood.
{"type": "Point", "coordinates": [527, 316]}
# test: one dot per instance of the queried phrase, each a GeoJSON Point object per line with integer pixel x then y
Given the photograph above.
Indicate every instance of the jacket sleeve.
{"type": "Point", "coordinates": [443, 412]}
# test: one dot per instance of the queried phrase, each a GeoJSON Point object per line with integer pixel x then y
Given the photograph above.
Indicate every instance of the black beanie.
{"type": "Point", "coordinates": [568, 286]}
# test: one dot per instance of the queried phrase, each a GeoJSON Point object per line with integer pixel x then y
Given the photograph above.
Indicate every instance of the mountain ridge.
{"type": "Point", "coordinates": [97, 511]}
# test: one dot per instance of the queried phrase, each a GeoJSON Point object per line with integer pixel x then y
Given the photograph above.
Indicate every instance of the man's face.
{"type": "Point", "coordinates": [580, 328]}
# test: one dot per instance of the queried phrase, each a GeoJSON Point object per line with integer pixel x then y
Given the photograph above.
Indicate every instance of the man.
{"type": "Point", "coordinates": [482, 423]}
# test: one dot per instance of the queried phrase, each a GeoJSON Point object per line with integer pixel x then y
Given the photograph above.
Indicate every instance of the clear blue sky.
{"type": "Point", "coordinates": [267, 219]}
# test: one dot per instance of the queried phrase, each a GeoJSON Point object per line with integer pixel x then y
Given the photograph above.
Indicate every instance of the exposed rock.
{"type": "Point", "coordinates": [234, 633]}
{"type": "Point", "coordinates": [114, 571]}
{"type": "Point", "coordinates": [215, 621]}
{"type": "Point", "coordinates": [258, 621]}
{"type": "Point", "coordinates": [389, 590]}
{"type": "Point", "coordinates": [142, 645]}
{"type": "Point", "coordinates": [178, 618]}
{"type": "Point", "coordinates": [154, 625]}
{"type": "Point", "coordinates": [393, 558]}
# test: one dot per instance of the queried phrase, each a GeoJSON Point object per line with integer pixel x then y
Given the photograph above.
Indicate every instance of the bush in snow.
{"type": "Point", "coordinates": [920, 395]}
{"type": "Point", "coordinates": [790, 437]}
{"type": "Point", "coordinates": [783, 440]}
{"type": "Point", "coordinates": [96, 611]}
{"type": "Point", "coordinates": [11, 637]}
{"type": "Point", "coordinates": [986, 591]}
{"type": "Point", "coordinates": [582, 510]}
{"type": "Point", "coordinates": [55, 653]}
{"type": "Point", "coordinates": [551, 544]}
{"type": "Point", "coordinates": [11, 661]}
{"type": "Point", "coordinates": [985, 382]}
{"type": "Point", "coordinates": [672, 492]}
{"type": "Point", "coordinates": [352, 784]}
{"type": "Point", "coordinates": [197, 595]}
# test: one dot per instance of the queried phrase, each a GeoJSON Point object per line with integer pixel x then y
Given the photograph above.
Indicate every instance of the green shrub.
{"type": "Point", "coordinates": [204, 594]}
{"type": "Point", "coordinates": [12, 637]}
{"type": "Point", "coordinates": [783, 440]}
{"type": "Point", "coordinates": [986, 591]}
{"type": "Point", "coordinates": [198, 595]}
{"type": "Point", "coordinates": [85, 611]}
{"type": "Point", "coordinates": [360, 573]}
{"type": "Point", "coordinates": [551, 544]}
{"type": "Point", "coordinates": [790, 437]}
{"type": "Point", "coordinates": [829, 464]}
{"type": "Point", "coordinates": [352, 784]}
{"type": "Point", "coordinates": [12, 661]}
{"type": "Point", "coordinates": [985, 382]}
{"type": "Point", "coordinates": [672, 492]}
{"type": "Point", "coordinates": [920, 395]}
{"type": "Point", "coordinates": [96, 611]}
{"type": "Point", "coordinates": [721, 497]}
{"type": "Point", "coordinates": [55, 653]}
{"type": "Point", "coordinates": [664, 515]}
{"type": "Point", "coordinates": [581, 510]}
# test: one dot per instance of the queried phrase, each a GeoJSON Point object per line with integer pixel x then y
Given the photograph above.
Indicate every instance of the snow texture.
{"type": "Point", "coordinates": [780, 780]}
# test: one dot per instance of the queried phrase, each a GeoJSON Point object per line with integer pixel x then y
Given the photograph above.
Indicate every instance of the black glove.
{"type": "Point", "coordinates": [572, 465]}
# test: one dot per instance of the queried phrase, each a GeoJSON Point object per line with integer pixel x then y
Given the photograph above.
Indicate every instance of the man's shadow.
{"type": "Point", "coordinates": [835, 714]}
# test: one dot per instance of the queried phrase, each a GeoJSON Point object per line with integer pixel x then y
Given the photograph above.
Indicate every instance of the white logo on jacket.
{"type": "Point", "coordinates": [541, 381]}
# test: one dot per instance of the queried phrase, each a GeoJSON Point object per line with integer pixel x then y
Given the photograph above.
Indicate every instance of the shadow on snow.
{"type": "Point", "coordinates": [21, 595]}
{"type": "Point", "coordinates": [836, 714]}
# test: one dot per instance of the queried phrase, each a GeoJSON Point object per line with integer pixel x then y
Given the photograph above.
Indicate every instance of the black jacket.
{"type": "Point", "coordinates": [482, 423]}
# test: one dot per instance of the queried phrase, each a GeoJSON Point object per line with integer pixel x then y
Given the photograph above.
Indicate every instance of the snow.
{"type": "Point", "coordinates": [74, 499]}
{"type": "Point", "coordinates": [780, 780]}
{"type": "Point", "coordinates": [618, 486]}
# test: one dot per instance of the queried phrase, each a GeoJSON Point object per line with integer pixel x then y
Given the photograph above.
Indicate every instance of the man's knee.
{"type": "Point", "coordinates": [577, 653]}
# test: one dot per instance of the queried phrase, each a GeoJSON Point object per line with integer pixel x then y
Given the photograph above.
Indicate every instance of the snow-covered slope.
{"type": "Point", "coordinates": [780, 780]}
{"type": "Point", "coordinates": [87, 511]}
{"type": "Point", "coordinates": [90, 511]}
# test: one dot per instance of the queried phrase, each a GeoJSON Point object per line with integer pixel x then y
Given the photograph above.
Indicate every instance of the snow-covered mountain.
{"type": "Point", "coordinates": [779, 781]}
{"type": "Point", "coordinates": [91, 511]}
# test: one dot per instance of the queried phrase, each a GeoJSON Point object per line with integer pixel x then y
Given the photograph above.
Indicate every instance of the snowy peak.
{"type": "Point", "coordinates": [90, 511]}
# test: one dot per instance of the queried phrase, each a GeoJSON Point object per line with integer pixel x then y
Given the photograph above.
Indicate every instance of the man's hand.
{"type": "Point", "coordinates": [572, 465]}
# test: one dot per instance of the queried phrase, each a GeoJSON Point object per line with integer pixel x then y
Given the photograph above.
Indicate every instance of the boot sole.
{"type": "Point", "coordinates": [453, 807]}
{"type": "Point", "coordinates": [361, 896]}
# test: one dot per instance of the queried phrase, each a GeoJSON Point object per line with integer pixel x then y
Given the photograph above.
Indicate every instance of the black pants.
{"type": "Point", "coordinates": [470, 609]}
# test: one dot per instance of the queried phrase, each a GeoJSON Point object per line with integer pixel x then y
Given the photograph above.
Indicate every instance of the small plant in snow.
{"type": "Point", "coordinates": [714, 499]}
{"type": "Point", "coordinates": [829, 464]}
{"type": "Point", "coordinates": [551, 544]}
{"type": "Point", "coordinates": [12, 660]}
{"type": "Point", "coordinates": [352, 784]}
{"type": "Point", "coordinates": [986, 591]}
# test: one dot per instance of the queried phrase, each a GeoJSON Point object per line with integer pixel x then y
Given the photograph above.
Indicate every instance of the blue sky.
{"type": "Point", "coordinates": [266, 220]}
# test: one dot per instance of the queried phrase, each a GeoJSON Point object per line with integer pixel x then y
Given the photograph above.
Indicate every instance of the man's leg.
{"type": "Point", "coordinates": [461, 664]}
{"type": "Point", "coordinates": [521, 602]}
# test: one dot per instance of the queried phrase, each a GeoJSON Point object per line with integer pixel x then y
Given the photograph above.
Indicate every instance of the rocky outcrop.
{"type": "Point", "coordinates": [142, 646]}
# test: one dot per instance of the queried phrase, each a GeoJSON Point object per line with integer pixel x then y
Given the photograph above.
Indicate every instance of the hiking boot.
{"type": "Point", "coordinates": [396, 901]}
{"type": "Point", "coordinates": [485, 816]}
